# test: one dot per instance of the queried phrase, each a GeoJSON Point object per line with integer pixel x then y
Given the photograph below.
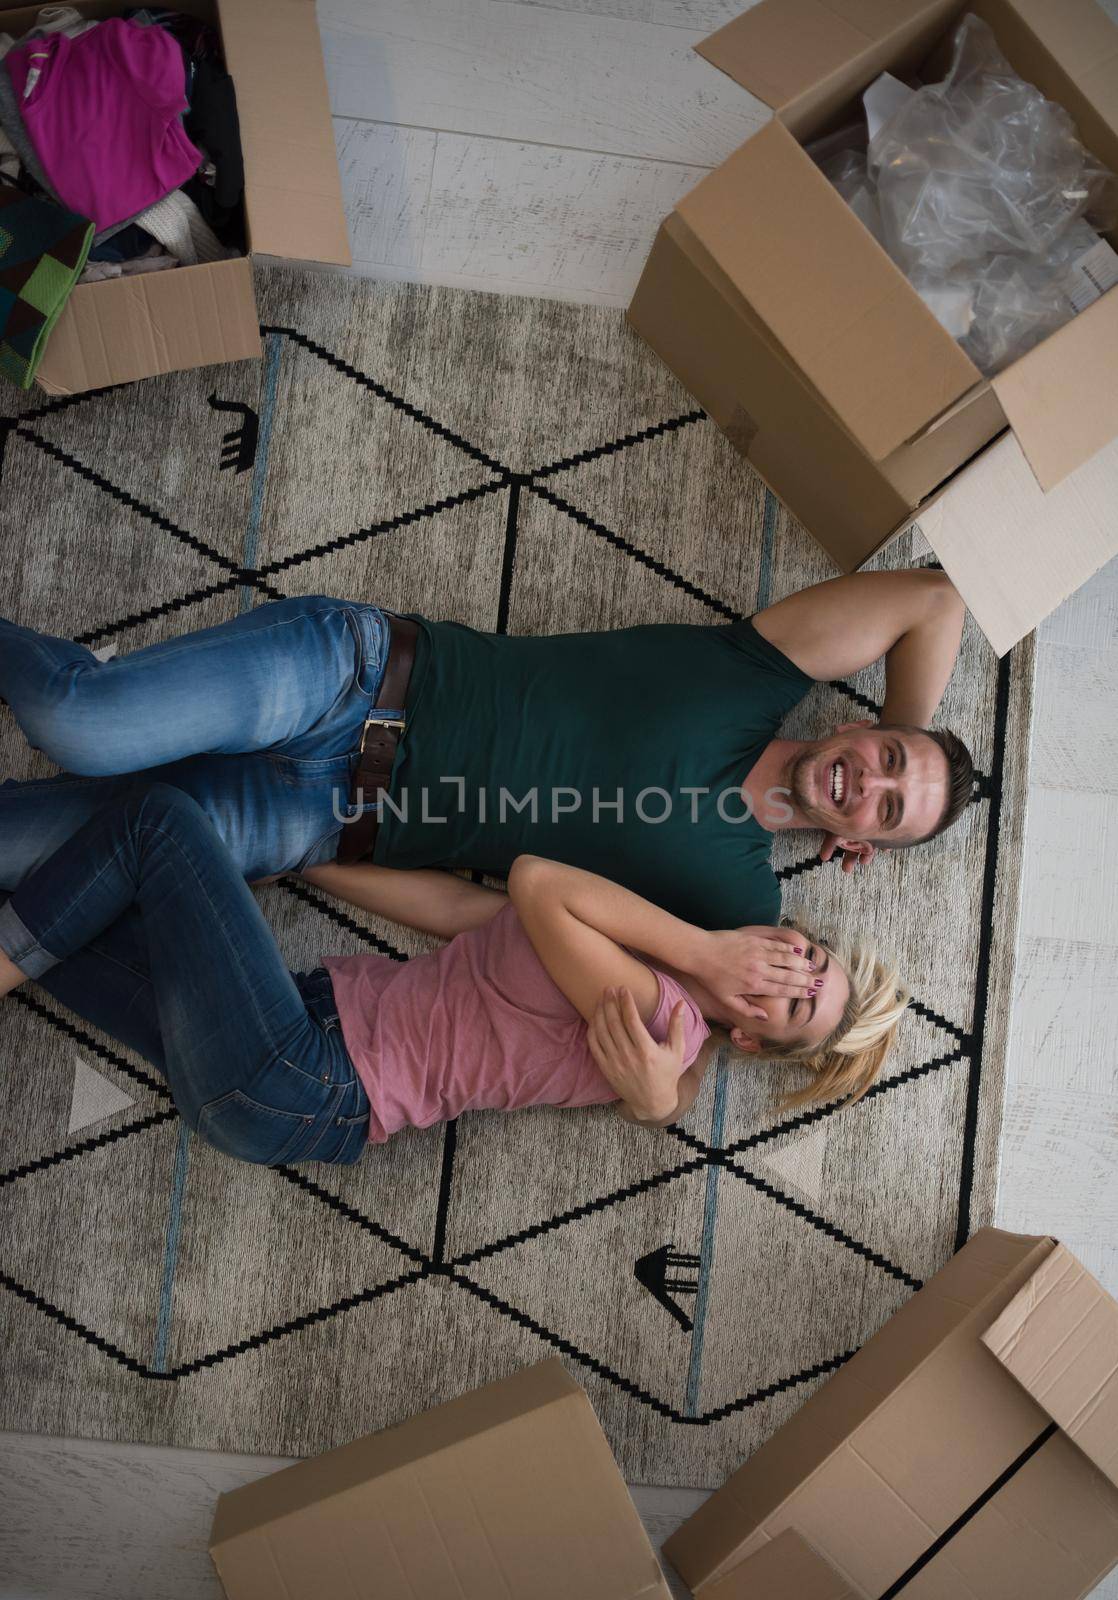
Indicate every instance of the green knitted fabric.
{"type": "Point", "coordinates": [42, 252]}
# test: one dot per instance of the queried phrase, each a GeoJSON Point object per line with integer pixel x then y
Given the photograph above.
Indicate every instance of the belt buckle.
{"type": "Point", "coordinates": [381, 722]}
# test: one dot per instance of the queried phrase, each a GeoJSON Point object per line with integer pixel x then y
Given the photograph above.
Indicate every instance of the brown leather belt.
{"type": "Point", "coordinates": [379, 738]}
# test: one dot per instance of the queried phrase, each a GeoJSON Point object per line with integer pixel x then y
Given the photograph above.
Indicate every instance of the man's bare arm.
{"type": "Point", "coordinates": [428, 900]}
{"type": "Point", "coordinates": [912, 619]}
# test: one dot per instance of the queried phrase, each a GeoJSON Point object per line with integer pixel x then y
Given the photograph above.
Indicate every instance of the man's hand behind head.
{"type": "Point", "coordinates": [855, 852]}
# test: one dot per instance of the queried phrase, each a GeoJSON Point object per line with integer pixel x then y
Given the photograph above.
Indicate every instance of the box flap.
{"type": "Point", "coordinates": [1059, 1339]}
{"type": "Point", "coordinates": [826, 292]}
{"type": "Point", "coordinates": [476, 1498]}
{"type": "Point", "coordinates": [293, 192]}
{"type": "Point", "coordinates": [1062, 398]}
{"type": "Point", "coordinates": [135, 327]}
{"type": "Point", "coordinates": [786, 1568]}
{"type": "Point", "coordinates": [337, 1471]}
{"type": "Point", "coordinates": [1014, 552]}
{"type": "Point", "coordinates": [692, 316]}
{"type": "Point", "coordinates": [806, 57]}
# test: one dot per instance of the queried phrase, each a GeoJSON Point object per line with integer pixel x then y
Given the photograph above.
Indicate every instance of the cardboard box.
{"type": "Point", "coordinates": [809, 348]}
{"type": "Point", "coordinates": [969, 1451]}
{"type": "Point", "coordinates": [786, 1568]}
{"type": "Point", "coordinates": [510, 1490]}
{"type": "Point", "coordinates": [127, 328]}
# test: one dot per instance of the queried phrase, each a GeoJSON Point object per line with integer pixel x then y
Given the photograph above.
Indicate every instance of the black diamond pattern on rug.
{"type": "Point", "coordinates": [660, 1332]}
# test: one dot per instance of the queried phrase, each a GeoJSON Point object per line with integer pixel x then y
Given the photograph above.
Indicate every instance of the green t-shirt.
{"type": "Point", "coordinates": [653, 712]}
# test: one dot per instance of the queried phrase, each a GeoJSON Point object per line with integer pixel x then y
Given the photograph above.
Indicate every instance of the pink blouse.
{"type": "Point", "coordinates": [102, 112]}
{"type": "Point", "coordinates": [476, 1024]}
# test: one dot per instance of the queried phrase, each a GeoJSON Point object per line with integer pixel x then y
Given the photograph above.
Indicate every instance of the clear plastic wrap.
{"type": "Point", "coordinates": [848, 172]}
{"type": "Point", "coordinates": [1020, 300]}
{"type": "Point", "coordinates": [982, 165]}
{"type": "Point", "coordinates": [976, 187]}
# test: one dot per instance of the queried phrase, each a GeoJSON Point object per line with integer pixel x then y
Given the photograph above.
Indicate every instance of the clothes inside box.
{"type": "Point", "coordinates": [131, 123]}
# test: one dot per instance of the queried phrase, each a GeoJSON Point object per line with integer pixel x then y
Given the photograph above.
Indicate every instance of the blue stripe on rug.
{"type": "Point", "coordinates": [171, 1250]}
{"type": "Point", "coordinates": [768, 535]}
{"type": "Point", "coordinates": [273, 345]}
{"type": "Point", "coordinates": [721, 1085]}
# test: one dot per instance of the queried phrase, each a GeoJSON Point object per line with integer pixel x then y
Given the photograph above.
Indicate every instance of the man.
{"type": "Point", "coordinates": [316, 729]}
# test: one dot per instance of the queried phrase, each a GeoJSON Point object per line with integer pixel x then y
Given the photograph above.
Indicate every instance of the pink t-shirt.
{"type": "Point", "coordinates": [477, 1024]}
{"type": "Point", "coordinates": [103, 115]}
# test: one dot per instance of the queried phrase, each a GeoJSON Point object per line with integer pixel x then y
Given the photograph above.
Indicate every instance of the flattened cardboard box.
{"type": "Point", "coordinates": [510, 1490]}
{"type": "Point", "coordinates": [135, 327]}
{"type": "Point", "coordinates": [786, 1568]}
{"type": "Point", "coordinates": [808, 347]}
{"type": "Point", "coordinates": [970, 1449]}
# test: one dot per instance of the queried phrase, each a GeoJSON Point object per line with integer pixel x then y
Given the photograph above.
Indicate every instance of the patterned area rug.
{"type": "Point", "coordinates": [517, 465]}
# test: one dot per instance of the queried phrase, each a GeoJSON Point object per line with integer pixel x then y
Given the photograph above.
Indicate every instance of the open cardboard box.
{"type": "Point", "coordinates": [511, 1490]}
{"type": "Point", "coordinates": [969, 1451]}
{"type": "Point", "coordinates": [809, 348]}
{"type": "Point", "coordinates": [786, 1568]}
{"type": "Point", "coordinates": [134, 327]}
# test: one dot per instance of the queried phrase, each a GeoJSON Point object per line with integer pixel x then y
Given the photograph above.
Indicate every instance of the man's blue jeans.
{"type": "Point", "coordinates": [258, 719]}
{"type": "Point", "coordinates": [143, 924]}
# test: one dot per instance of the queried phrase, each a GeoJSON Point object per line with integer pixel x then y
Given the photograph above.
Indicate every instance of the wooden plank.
{"type": "Point", "coordinates": [86, 1520]}
{"type": "Point", "coordinates": [1088, 619]}
{"type": "Point", "coordinates": [1069, 887]}
{"type": "Point", "coordinates": [1062, 1029]}
{"type": "Point", "coordinates": [386, 184]}
{"type": "Point", "coordinates": [1075, 725]}
{"type": "Point", "coordinates": [495, 215]}
{"type": "Point", "coordinates": [1060, 1163]}
{"type": "Point", "coordinates": [522, 72]}
{"type": "Point", "coordinates": [545, 219]}
{"type": "Point", "coordinates": [699, 16]}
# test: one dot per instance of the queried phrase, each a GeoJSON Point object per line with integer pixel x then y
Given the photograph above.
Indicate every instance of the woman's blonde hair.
{"type": "Point", "coordinates": [849, 1060]}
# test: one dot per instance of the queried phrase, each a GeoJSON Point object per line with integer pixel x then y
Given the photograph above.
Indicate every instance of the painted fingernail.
{"type": "Point", "coordinates": [811, 966]}
{"type": "Point", "coordinates": [798, 949]}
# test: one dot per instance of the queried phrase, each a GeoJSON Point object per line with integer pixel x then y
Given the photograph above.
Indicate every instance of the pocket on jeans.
{"type": "Point", "coordinates": [322, 852]}
{"type": "Point", "coordinates": [243, 1128]}
{"type": "Point", "coordinates": [345, 1143]}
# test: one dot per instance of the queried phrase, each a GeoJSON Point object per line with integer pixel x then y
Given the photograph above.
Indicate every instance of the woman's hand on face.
{"type": "Point", "coordinates": [756, 961]}
{"type": "Point", "coordinates": [643, 1072]}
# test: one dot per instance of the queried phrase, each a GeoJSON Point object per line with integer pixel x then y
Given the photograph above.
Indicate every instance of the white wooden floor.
{"type": "Point", "coordinates": [532, 146]}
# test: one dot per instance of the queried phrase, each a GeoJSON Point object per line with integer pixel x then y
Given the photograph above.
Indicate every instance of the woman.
{"type": "Point", "coordinates": [142, 924]}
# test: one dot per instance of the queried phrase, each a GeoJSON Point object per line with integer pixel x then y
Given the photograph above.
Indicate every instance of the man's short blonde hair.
{"type": "Point", "coordinates": [849, 1061]}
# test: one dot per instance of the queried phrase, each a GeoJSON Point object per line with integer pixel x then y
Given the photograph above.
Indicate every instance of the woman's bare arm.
{"type": "Point", "coordinates": [583, 928]}
{"type": "Point", "coordinates": [426, 899]}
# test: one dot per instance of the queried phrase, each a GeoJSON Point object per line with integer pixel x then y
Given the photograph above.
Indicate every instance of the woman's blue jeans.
{"type": "Point", "coordinates": [258, 719]}
{"type": "Point", "coordinates": [143, 924]}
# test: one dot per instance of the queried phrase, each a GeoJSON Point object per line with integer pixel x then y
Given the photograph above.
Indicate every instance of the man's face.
{"type": "Point", "coordinates": [871, 783]}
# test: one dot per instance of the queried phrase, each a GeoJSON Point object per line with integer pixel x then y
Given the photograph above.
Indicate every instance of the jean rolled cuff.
{"type": "Point", "coordinates": [20, 945]}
